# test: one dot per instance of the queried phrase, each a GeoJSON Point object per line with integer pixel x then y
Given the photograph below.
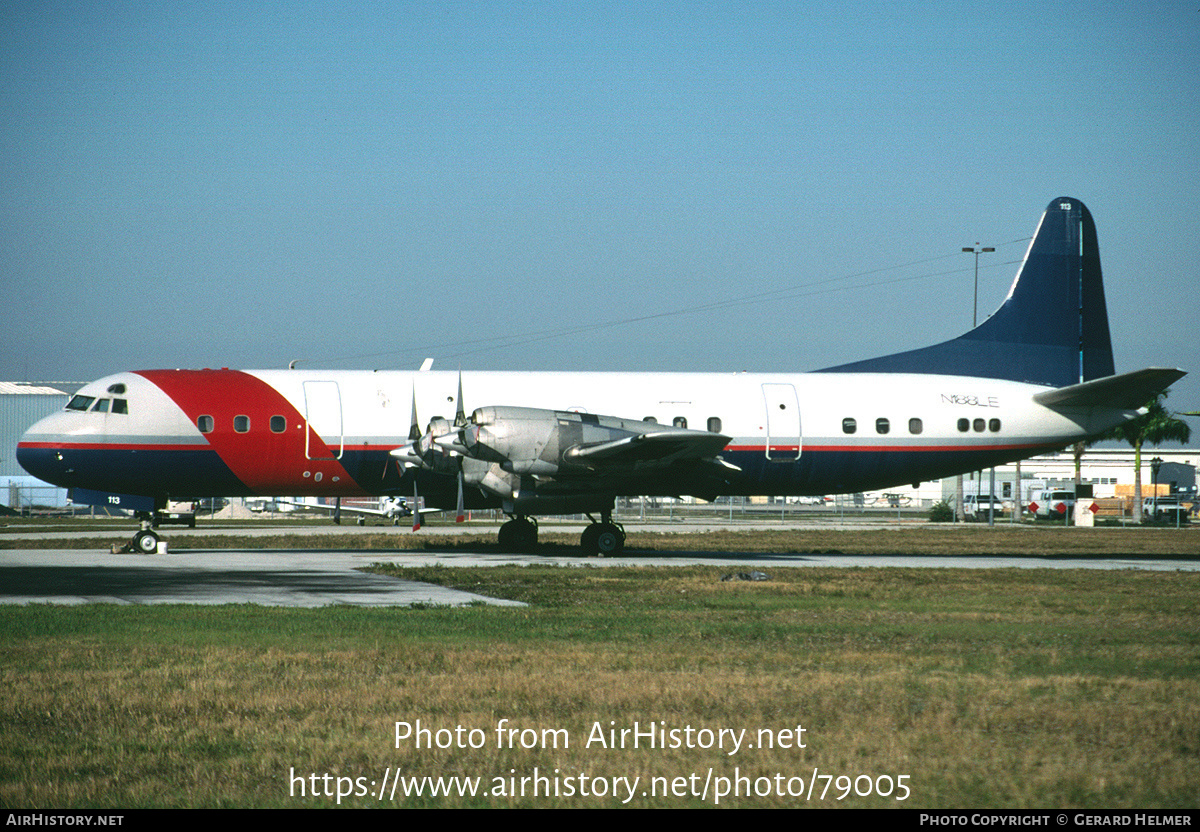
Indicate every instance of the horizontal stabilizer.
{"type": "Point", "coordinates": [1128, 391]}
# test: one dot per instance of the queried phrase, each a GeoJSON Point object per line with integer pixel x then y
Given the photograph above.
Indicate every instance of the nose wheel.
{"type": "Point", "coordinates": [145, 542]}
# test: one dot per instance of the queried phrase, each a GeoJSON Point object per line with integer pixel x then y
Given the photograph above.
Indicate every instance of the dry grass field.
{"type": "Point", "coordinates": [949, 688]}
{"type": "Point", "coordinates": [1043, 540]}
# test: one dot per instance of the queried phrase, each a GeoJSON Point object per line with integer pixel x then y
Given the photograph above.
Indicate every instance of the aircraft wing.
{"type": "Point", "coordinates": [657, 448]}
{"type": "Point", "coordinates": [509, 451]}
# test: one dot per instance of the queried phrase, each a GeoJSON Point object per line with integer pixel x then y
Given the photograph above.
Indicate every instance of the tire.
{"type": "Point", "coordinates": [610, 540]}
{"type": "Point", "coordinates": [518, 536]}
{"type": "Point", "coordinates": [587, 540]}
{"type": "Point", "coordinates": [145, 542]}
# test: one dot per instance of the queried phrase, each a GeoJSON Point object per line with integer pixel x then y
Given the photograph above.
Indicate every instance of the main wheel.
{"type": "Point", "coordinates": [610, 539]}
{"type": "Point", "coordinates": [587, 540]}
{"type": "Point", "coordinates": [146, 542]}
{"type": "Point", "coordinates": [518, 536]}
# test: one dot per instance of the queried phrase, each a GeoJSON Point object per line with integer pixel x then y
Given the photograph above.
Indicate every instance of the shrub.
{"type": "Point", "coordinates": [941, 513]}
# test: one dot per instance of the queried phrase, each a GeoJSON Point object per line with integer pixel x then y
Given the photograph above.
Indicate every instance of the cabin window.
{"type": "Point", "coordinates": [915, 426]}
{"type": "Point", "coordinates": [849, 425]}
{"type": "Point", "coordinates": [80, 402]}
{"type": "Point", "coordinates": [278, 424]}
{"type": "Point", "coordinates": [994, 425]}
{"type": "Point", "coordinates": [241, 424]}
{"type": "Point", "coordinates": [714, 424]}
{"type": "Point", "coordinates": [882, 425]}
{"type": "Point", "coordinates": [101, 406]}
{"type": "Point", "coordinates": [120, 405]}
{"type": "Point", "coordinates": [679, 421]}
{"type": "Point", "coordinates": [978, 424]}
{"type": "Point", "coordinates": [205, 423]}
{"type": "Point", "coordinates": [964, 425]}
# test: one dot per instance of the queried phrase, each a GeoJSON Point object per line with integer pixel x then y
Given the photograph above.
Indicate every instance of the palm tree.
{"type": "Point", "coordinates": [1156, 426]}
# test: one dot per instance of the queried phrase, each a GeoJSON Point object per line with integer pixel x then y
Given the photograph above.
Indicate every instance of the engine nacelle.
{"type": "Point", "coordinates": [522, 440]}
{"type": "Point", "coordinates": [528, 440]}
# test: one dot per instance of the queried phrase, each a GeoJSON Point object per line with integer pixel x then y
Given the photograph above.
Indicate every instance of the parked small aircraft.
{"type": "Point", "coordinates": [392, 509]}
{"type": "Point", "coordinates": [1037, 375]}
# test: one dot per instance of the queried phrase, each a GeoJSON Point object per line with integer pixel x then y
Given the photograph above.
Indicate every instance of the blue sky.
{"type": "Point", "coordinates": [694, 186]}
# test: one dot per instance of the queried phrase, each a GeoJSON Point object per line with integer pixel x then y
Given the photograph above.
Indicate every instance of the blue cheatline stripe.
{"type": "Point", "coordinates": [186, 473]}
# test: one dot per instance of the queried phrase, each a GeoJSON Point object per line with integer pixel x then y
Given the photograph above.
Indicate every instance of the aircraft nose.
{"type": "Point", "coordinates": [42, 457]}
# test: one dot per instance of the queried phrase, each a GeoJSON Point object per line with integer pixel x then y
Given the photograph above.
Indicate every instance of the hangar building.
{"type": "Point", "coordinates": [22, 404]}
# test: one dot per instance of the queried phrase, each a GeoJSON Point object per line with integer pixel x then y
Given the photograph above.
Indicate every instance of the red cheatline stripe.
{"type": "Point", "coordinates": [113, 446]}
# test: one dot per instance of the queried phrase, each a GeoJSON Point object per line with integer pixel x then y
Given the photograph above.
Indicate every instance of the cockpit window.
{"type": "Point", "coordinates": [120, 405]}
{"type": "Point", "coordinates": [80, 402]}
{"type": "Point", "coordinates": [101, 406]}
{"type": "Point", "coordinates": [116, 389]}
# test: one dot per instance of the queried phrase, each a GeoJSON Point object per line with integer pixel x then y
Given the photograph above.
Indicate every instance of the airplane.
{"type": "Point", "coordinates": [1036, 375]}
{"type": "Point", "coordinates": [389, 508]}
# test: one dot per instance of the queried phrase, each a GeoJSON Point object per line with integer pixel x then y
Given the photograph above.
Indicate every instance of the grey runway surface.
{"type": "Point", "coordinates": [313, 578]}
{"type": "Point", "coordinates": [267, 578]}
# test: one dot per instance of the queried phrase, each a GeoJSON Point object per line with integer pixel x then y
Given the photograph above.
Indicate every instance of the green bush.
{"type": "Point", "coordinates": [941, 513]}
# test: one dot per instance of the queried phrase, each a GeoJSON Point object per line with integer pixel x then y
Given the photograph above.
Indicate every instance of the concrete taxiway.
{"type": "Point", "coordinates": [267, 578]}
{"type": "Point", "coordinates": [314, 578]}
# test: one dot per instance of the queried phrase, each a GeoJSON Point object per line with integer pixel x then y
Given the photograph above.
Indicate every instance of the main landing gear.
{"type": "Point", "coordinates": [605, 538]}
{"type": "Point", "coordinates": [519, 535]}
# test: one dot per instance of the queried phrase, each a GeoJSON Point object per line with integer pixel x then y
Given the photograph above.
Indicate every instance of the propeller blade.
{"type": "Point", "coordinates": [460, 515]}
{"type": "Point", "coordinates": [416, 508]}
{"type": "Point", "coordinates": [414, 430]}
{"type": "Point", "coordinates": [460, 417]}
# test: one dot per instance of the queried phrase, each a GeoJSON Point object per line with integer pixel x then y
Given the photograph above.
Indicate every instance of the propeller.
{"type": "Point", "coordinates": [440, 448]}
{"type": "Point", "coordinates": [409, 455]}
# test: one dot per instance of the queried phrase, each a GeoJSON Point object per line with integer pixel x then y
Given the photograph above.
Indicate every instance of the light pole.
{"type": "Point", "coordinates": [976, 250]}
{"type": "Point", "coordinates": [1155, 464]}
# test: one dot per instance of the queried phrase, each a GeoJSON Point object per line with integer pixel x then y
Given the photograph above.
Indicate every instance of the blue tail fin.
{"type": "Point", "coordinates": [1051, 329]}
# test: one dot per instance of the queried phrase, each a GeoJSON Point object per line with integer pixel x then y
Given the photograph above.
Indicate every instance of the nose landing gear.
{"type": "Point", "coordinates": [145, 541]}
